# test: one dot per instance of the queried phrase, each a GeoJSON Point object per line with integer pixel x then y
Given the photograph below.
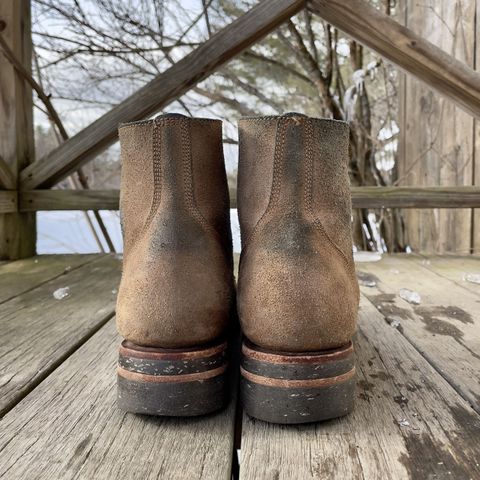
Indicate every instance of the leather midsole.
{"type": "Point", "coordinates": [188, 377]}
{"type": "Point", "coordinates": [286, 383]}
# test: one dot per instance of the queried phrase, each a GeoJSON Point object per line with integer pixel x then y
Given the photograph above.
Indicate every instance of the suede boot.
{"type": "Point", "coordinates": [176, 291]}
{"type": "Point", "coordinates": [297, 292]}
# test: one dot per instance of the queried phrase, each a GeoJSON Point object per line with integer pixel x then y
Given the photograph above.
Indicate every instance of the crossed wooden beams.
{"type": "Point", "coordinates": [358, 19]}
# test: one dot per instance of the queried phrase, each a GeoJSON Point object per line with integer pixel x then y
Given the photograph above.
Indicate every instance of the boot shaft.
{"type": "Point", "coordinates": [177, 282]}
{"type": "Point", "coordinates": [297, 286]}
{"type": "Point", "coordinates": [173, 164]}
{"type": "Point", "coordinates": [295, 167]}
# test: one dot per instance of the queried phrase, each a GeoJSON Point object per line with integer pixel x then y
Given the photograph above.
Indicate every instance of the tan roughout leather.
{"type": "Point", "coordinates": [177, 281]}
{"type": "Point", "coordinates": [297, 288]}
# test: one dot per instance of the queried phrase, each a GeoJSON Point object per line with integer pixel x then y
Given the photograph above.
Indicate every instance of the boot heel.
{"type": "Point", "coordinates": [170, 382]}
{"type": "Point", "coordinates": [283, 387]}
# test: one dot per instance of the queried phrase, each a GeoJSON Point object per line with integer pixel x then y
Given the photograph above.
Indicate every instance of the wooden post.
{"type": "Point", "coordinates": [476, 147]}
{"type": "Point", "coordinates": [437, 137]}
{"type": "Point", "coordinates": [17, 230]}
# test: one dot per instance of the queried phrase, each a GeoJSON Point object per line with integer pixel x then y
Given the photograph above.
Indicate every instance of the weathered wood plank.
{"type": "Point", "coordinates": [8, 201]}
{"type": "Point", "coordinates": [476, 139]}
{"type": "Point", "coordinates": [70, 427]}
{"type": "Point", "coordinates": [362, 197]}
{"type": "Point", "coordinates": [415, 197]}
{"type": "Point", "coordinates": [397, 386]}
{"type": "Point", "coordinates": [7, 179]}
{"type": "Point", "coordinates": [17, 230]}
{"type": "Point", "coordinates": [38, 331]}
{"type": "Point", "coordinates": [439, 136]}
{"type": "Point", "coordinates": [161, 91]}
{"type": "Point", "coordinates": [444, 327]}
{"type": "Point", "coordinates": [454, 267]}
{"type": "Point", "coordinates": [404, 48]}
{"type": "Point", "coordinates": [23, 275]}
{"type": "Point", "coordinates": [44, 200]}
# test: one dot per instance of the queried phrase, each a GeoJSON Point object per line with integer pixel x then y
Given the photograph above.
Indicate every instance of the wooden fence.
{"type": "Point", "coordinates": [439, 143]}
{"type": "Point", "coordinates": [24, 184]}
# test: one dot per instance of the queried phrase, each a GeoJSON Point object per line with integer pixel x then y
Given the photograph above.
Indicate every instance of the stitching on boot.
{"type": "Point", "coordinates": [309, 194]}
{"type": "Point", "coordinates": [277, 167]}
{"type": "Point", "coordinates": [191, 203]}
{"type": "Point", "coordinates": [134, 124]}
{"type": "Point", "coordinates": [157, 174]}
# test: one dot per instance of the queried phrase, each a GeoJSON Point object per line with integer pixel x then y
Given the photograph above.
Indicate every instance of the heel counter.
{"type": "Point", "coordinates": [296, 294]}
{"type": "Point", "coordinates": [175, 292]}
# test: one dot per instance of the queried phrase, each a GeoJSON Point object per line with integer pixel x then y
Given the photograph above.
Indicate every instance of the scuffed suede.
{"type": "Point", "coordinates": [177, 281]}
{"type": "Point", "coordinates": [297, 288]}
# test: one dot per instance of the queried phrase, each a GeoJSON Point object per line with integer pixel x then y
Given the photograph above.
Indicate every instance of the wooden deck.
{"type": "Point", "coordinates": [418, 398]}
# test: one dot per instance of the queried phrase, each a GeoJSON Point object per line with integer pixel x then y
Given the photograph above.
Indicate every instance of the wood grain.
{"type": "Point", "coordinates": [161, 91]}
{"type": "Point", "coordinates": [362, 197]}
{"type": "Point", "coordinates": [405, 48]}
{"type": "Point", "coordinates": [23, 275]}
{"type": "Point", "coordinates": [7, 179]}
{"type": "Point", "coordinates": [411, 418]}
{"type": "Point", "coordinates": [70, 427]}
{"type": "Point", "coordinates": [445, 327]}
{"type": "Point", "coordinates": [396, 385]}
{"type": "Point", "coordinates": [44, 200]}
{"type": "Point", "coordinates": [453, 267]}
{"type": "Point", "coordinates": [476, 152]}
{"type": "Point", "coordinates": [17, 230]}
{"type": "Point", "coordinates": [8, 201]}
{"type": "Point", "coordinates": [39, 332]}
{"type": "Point", "coordinates": [439, 136]}
{"type": "Point", "coordinates": [416, 197]}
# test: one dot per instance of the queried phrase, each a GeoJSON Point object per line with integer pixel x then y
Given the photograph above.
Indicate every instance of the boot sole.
{"type": "Point", "coordinates": [167, 382]}
{"type": "Point", "coordinates": [289, 388]}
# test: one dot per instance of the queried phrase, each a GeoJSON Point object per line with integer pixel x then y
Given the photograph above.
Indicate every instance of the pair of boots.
{"type": "Point", "coordinates": [297, 295]}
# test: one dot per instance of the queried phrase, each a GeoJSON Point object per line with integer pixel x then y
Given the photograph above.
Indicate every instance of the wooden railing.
{"type": "Point", "coordinates": [358, 19]}
{"type": "Point", "coordinates": [362, 197]}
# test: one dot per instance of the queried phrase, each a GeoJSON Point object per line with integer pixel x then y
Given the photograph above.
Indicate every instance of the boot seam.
{"type": "Point", "coordinates": [191, 203]}
{"type": "Point", "coordinates": [309, 195]}
{"type": "Point", "coordinates": [279, 150]}
{"type": "Point", "coordinates": [157, 171]}
{"type": "Point", "coordinates": [188, 180]}
{"type": "Point", "coordinates": [187, 175]}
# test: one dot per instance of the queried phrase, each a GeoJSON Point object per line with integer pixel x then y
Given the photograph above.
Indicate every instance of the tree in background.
{"type": "Point", "coordinates": [92, 54]}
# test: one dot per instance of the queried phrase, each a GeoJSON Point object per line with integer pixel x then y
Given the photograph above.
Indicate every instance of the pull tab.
{"type": "Point", "coordinates": [170, 115]}
{"type": "Point", "coordinates": [294, 114]}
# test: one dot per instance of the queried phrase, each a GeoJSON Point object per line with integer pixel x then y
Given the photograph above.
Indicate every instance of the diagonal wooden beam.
{"type": "Point", "coordinates": [404, 48]}
{"type": "Point", "coordinates": [7, 180]}
{"type": "Point", "coordinates": [161, 91]}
